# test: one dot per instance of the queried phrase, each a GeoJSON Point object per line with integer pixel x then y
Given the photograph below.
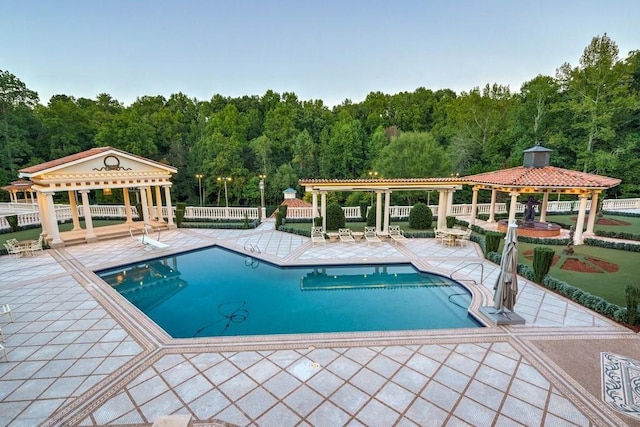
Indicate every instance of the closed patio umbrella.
{"type": "Point", "coordinates": [506, 287]}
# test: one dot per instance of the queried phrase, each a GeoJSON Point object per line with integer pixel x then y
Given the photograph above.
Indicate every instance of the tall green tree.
{"type": "Point", "coordinates": [413, 155]}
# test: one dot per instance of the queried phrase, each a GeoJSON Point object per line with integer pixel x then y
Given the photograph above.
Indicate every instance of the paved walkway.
{"type": "Point", "coordinates": [79, 355]}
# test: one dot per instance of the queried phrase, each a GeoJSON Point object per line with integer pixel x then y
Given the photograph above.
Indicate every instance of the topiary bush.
{"type": "Point", "coordinates": [451, 221]}
{"type": "Point", "coordinates": [632, 296]}
{"type": "Point", "coordinates": [542, 259]}
{"type": "Point", "coordinates": [317, 221]}
{"type": "Point", "coordinates": [335, 217]}
{"type": "Point", "coordinates": [13, 222]}
{"type": "Point", "coordinates": [179, 217]}
{"type": "Point", "coordinates": [283, 211]}
{"type": "Point", "coordinates": [420, 217]}
{"type": "Point", "coordinates": [371, 217]}
{"type": "Point", "coordinates": [363, 211]}
{"type": "Point", "coordinates": [278, 220]}
{"type": "Point", "coordinates": [492, 241]}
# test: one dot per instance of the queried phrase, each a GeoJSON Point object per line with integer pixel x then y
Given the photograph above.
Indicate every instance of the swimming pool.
{"type": "Point", "coordinates": [217, 292]}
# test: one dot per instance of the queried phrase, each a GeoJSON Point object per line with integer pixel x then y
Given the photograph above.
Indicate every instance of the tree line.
{"type": "Point", "coordinates": [588, 113]}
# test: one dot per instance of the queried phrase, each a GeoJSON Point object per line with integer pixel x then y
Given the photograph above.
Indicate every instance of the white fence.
{"type": "Point", "coordinates": [63, 212]}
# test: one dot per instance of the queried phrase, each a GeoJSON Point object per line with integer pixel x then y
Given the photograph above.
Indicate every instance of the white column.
{"type": "Point", "coordinates": [145, 206]}
{"type": "Point", "coordinates": [31, 197]}
{"type": "Point", "coordinates": [323, 210]}
{"type": "Point", "coordinates": [387, 209]}
{"type": "Point", "coordinates": [378, 211]}
{"type": "Point", "coordinates": [167, 198]}
{"type": "Point", "coordinates": [449, 201]}
{"type": "Point", "coordinates": [314, 204]}
{"type": "Point", "coordinates": [492, 207]}
{"type": "Point", "coordinates": [159, 204]}
{"type": "Point", "coordinates": [513, 206]}
{"type": "Point", "coordinates": [474, 206]}
{"type": "Point", "coordinates": [591, 222]}
{"type": "Point", "coordinates": [442, 210]}
{"type": "Point", "coordinates": [152, 213]}
{"type": "Point", "coordinates": [577, 237]}
{"type": "Point", "coordinates": [88, 222]}
{"type": "Point", "coordinates": [543, 207]}
{"type": "Point", "coordinates": [74, 211]}
{"type": "Point", "coordinates": [54, 232]}
{"type": "Point", "coordinates": [43, 213]}
{"type": "Point", "coordinates": [127, 206]}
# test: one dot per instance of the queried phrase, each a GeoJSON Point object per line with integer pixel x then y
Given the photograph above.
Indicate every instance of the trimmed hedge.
{"type": "Point", "coordinates": [631, 247]}
{"type": "Point", "coordinates": [542, 259]}
{"type": "Point", "coordinates": [618, 235]}
{"type": "Point", "coordinates": [420, 217]}
{"type": "Point", "coordinates": [335, 217]}
{"type": "Point", "coordinates": [218, 225]}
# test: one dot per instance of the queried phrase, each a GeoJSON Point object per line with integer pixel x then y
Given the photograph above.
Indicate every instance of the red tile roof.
{"type": "Point", "coordinates": [548, 176]}
{"type": "Point", "coordinates": [83, 155]}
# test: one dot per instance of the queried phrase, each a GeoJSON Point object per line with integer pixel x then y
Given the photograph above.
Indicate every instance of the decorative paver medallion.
{"type": "Point", "coordinates": [621, 383]}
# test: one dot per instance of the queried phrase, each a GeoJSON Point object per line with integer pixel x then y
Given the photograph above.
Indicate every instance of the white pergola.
{"type": "Point", "coordinates": [103, 168]}
{"type": "Point", "coordinates": [444, 186]}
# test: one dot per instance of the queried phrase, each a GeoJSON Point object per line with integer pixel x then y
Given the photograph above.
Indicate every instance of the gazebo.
{"type": "Point", "coordinates": [535, 176]}
{"type": "Point", "coordinates": [103, 168]}
{"type": "Point", "coordinates": [22, 186]}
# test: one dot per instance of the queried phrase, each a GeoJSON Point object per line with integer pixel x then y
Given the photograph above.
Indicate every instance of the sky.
{"type": "Point", "coordinates": [331, 50]}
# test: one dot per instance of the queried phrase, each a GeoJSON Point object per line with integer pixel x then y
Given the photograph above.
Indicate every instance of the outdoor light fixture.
{"type": "Point", "coordinates": [200, 176]}
{"type": "Point", "coordinates": [225, 179]}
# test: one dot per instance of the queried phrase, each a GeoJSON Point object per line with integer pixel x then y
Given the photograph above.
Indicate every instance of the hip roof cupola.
{"type": "Point", "coordinates": [537, 156]}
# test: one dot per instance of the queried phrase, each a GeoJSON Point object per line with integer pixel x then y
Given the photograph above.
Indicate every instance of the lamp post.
{"type": "Point", "coordinates": [372, 175]}
{"type": "Point", "coordinates": [200, 176]}
{"type": "Point", "coordinates": [262, 209]}
{"type": "Point", "coordinates": [225, 179]}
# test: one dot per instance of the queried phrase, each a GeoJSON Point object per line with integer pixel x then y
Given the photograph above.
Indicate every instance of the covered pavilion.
{"type": "Point", "coordinates": [102, 168]}
{"type": "Point", "coordinates": [444, 186]}
{"type": "Point", "coordinates": [20, 187]}
{"type": "Point", "coordinates": [536, 176]}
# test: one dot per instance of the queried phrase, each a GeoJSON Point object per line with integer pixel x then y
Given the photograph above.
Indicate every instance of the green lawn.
{"type": "Point", "coordinates": [633, 227]}
{"type": "Point", "coordinates": [33, 233]}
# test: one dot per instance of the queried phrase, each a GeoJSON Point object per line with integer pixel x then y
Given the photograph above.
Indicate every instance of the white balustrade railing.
{"type": "Point", "coordinates": [63, 212]}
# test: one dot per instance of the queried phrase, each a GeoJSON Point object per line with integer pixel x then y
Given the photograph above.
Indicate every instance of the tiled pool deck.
{"type": "Point", "coordinates": [77, 356]}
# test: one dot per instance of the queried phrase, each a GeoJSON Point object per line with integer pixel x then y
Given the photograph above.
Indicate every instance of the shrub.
{"type": "Point", "coordinates": [283, 211]}
{"type": "Point", "coordinates": [13, 222]}
{"type": "Point", "coordinates": [246, 221]}
{"type": "Point", "coordinates": [335, 217]}
{"type": "Point", "coordinates": [632, 296]}
{"type": "Point", "coordinates": [363, 211]}
{"type": "Point", "coordinates": [317, 221]}
{"type": "Point", "coordinates": [420, 217]}
{"type": "Point", "coordinates": [451, 221]}
{"type": "Point", "coordinates": [371, 217]}
{"type": "Point", "coordinates": [278, 220]}
{"type": "Point", "coordinates": [542, 259]}
{"type": "Point", "coordinates": [492, 241]}
{"type": "Point", "coordinates": [179, 217]}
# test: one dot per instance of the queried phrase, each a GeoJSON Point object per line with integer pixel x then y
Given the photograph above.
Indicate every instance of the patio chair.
{"type": "Point", "coordinates": [36, 246]}
{"type": "Point", "coordinates": [13, 249]}
{"type": "Point", "coordinates": [371, 236]}
{"type": "Point", "coordinates": [439, 235]}
{"type": "Point", "coordinates": [396, 234]}
{"type": "Point", "coordinates": [4, 351]}
{"type": "Point", "coordinates": [5, 309]}
{"type": "Point", "coordinates": [345, 235]}
{"type": "Point", "coordinates": [464, 240]}
{"type": "Point", "coordinates": [317, 235]}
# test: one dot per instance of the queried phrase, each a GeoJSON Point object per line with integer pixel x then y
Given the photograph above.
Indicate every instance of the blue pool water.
{"type": "Point", "coordinates": [216, 292]}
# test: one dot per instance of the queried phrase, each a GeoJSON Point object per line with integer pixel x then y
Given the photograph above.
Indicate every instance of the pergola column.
{"type": "Point", "coordinates": [543, 207]}
{"type": "Point", "coordinates": [513, 206]}
{"type": "Point", "coordinates": [145, 205]}
{"type": "Point", "coordinates": [577, 237]}
{"type": "Point", "coordinates": [74, 211]}
{"type": "Point", "coordinates": [88, 222]}
{"type": "Point", "coordinates": [50, 211]}
{"type": "Point", "coordinates": [492, 206]}
{"type": "Point", "coordinates": [127, 206]}
{"type": "Point", "coordinates": [314, 204]}
{"type": "Point", "coordinates": [159, 204]}
{"type": "Point", "coordinates": [167, 197]}
{"type": "Point", "coordinates": [474, 206]}
{"type": "Point", "coordinates": [323, 209]}
{"type": "Point", "coordinates": [591, 221]}
{"type": "Point", "coordinates": [449, 201]}
{"type": "Point", "coordinates": [387, 209]}
{"type": "Point", "coordinates": [42, 212]}
{"type": "Point", "coordinates": [378, 211]}
{"type": "Point", "coordinates": [151, 209]}
{"type": "Point", "coordinates": [442, 210]}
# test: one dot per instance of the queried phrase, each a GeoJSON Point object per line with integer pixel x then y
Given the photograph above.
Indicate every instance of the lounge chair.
{"type": "Point", "coordinates": [371, 236]}
{"type": "Point", "coordinates": [5, 309]}
{"type": "Point", "coordinates": [13, 248]}
{"type": "Point", "coordinates": [317, 235]}
{"type": "Point", "coordinates": [345, 235]}
{"type": "Point", "coordinates": [36, 246]}
{"type": "Point", "coordinates": [396, 234]}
